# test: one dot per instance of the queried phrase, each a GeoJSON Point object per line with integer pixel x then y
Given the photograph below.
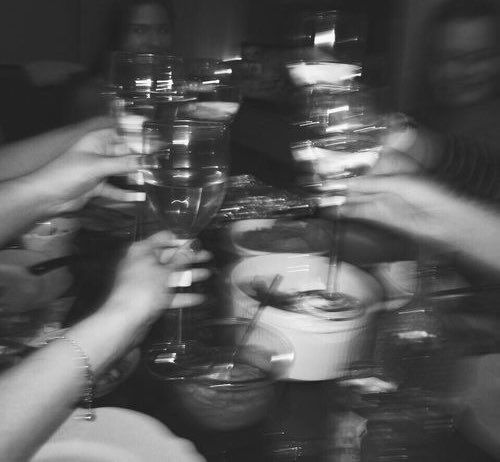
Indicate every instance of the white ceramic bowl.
{"type": "Point", "coordinates": [322, 243]}
{"type": "Point", "coordinates": [27, 301]}
{"type": "Point", "coordinates": [54, 237]}
{"type": "Point", "coordinates": [323, 349]}
{"type": "Point", "coordinates": [316, 73]}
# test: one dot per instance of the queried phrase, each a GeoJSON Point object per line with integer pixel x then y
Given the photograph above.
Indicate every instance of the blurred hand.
{"type": "Point", "coordinates": [394, 162]}
{"type": "Point", "coordinates": [147, 275]}
{"type": "Point", "coordinates": [79, 174]}
{"type": "Point", "coordinates": [412, 205]}
{"type": "Point", "coordinates": [408, 151]}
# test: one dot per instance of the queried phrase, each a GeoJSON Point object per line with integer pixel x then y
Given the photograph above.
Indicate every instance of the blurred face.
{"type": "Point", "coordinates": [466, 61]}
{"type": "Point", "coordinates": [149, 30]}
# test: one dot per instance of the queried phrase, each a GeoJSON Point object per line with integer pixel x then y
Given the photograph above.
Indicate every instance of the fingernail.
{"type": "Point", "coordinates": [195, 245]}
{"type": "Point", "coordinates": [331, 201]}
{"type": "Point", "coordinates": [120, 149]}
{"type": "Point", "coordinates": [181, 279]}
{"type": "Point", "coordinates": [134, 196]}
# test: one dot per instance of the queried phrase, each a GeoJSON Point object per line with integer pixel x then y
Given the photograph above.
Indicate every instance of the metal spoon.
{"type": "Point", "coordinates": [332, 279]}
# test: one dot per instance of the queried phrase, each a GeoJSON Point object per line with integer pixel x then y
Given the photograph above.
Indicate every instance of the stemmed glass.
{"type": "Point", "coordinates": [153, 84]}
{"type": "Point", "coordinates": [339, 136]}
{"type": "Point", "coordinates": [142, 87]}
{"type": "Point", "coordinates": [185, 180]}
{"type": "Point", "coordinates": [323, 163]}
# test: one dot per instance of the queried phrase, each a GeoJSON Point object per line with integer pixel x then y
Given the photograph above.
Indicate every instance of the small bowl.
{"type": "Point", "coordinates": [27, 301]}
{"type": "Point", "coordinates": [312, 237]}
{"type": "Point", "coordinates": [219, 397]}
{"type": "Point", "coordinates": [55, 237]}
{"type": "Point", "coordinates": [323, 348]}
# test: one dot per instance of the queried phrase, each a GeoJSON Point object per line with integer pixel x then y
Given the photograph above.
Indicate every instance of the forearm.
{"type": "Point", "coordinates": [469, 166]}
{"type": "Point", "coordinates": [26, 156]}
{"type": "Point", "coordinates": [37, 395]}
{"type": "Point", "coordinates": [472, 229]}
{"type": "Point", "coordinates": [22, 203]}
{"type": "Point", "coordinates": [464, 164]}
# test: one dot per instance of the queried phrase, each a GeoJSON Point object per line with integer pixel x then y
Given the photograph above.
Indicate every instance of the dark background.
{"type": "Point", "coordinates": [72, 30]}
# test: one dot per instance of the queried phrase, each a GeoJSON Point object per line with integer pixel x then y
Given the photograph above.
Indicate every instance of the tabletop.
{"type": "Point", "coordinates": [304, 419]}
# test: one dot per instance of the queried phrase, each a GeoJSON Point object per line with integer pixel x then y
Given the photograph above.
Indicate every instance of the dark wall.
{"type": "Point", "coordinates": [210, 28]}
{"type": "Point", "coordinates": [39, 29]}
{"type": "Point", "coordinates": [73, 30]}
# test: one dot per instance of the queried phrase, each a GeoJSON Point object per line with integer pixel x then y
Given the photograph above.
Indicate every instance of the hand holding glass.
{"type": "Point", "coordinates": [185, 181]}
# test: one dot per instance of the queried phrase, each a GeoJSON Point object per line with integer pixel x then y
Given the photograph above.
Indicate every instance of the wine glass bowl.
{"type": "Point", "coordinates": [141, 87]}
{"type": "Point", "coordinates": [151, 85]}
{"type": "Point", "coordinates": [322, 162]}
{"type": "Point", "coordinates": [146, 74]}
{"type": "Point", "coordinates": [186, 173]}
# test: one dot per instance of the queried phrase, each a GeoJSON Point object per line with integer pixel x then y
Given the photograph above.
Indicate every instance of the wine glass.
{"type": "Point", "coordinates": [185, 182]}
{"type": "Point", "coordinates": [339, 137]}
{"type": "Point", "coordinates": [142, 87]}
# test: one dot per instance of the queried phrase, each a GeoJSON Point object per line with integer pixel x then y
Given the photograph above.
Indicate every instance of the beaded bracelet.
{"type": "Point", "coordinates": [88, 394]}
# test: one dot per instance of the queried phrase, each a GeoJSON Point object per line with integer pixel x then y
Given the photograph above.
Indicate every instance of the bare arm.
{"type": "Point", "coordinates": [462, 163]}
{"type": "Point", "coordinates": [65, 184]}
{"type": "Point", "coordinates": [40, 393]}
{"type": "Point", "coordinates": [428, 211]}
{"type": "Point", "coordinates": [37, 395]}
{"type": "Point", "coordinates": [20, 208]}
{"type": "Point", "coordinates": [26, 156]}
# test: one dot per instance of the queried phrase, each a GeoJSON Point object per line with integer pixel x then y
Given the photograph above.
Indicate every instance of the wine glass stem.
{"type": "Point", "coordinates": [334, 262]}
{"type": "Point", "coordinates": [179, 311]}
{"type": "Point", "coordinates": [179, 325]}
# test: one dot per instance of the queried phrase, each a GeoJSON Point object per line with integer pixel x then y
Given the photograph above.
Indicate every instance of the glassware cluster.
{"type": "Point", "coordinates": [184, 167]}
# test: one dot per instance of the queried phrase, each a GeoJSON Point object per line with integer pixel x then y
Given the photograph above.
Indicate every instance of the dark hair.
{"type": "Point", "coordinates": [464, 9]}
{"type": "Point", "coordinates": [453, 10]}
{"type": "Point", "coordinates": [446, 12]}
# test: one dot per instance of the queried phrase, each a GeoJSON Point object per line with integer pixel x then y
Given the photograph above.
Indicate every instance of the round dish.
{"type": "Point", "coordinates": [54, 237]}
{"type": "Point", "coordinates": [116, 435]}
{"type": "Point", "coordinates": [323, 348]}
{"type": "Point", "coordinates": [314, 73]}
{"type": "Point", "coordinates": [231, 391]}
{"type": "Point", "coordinates": [261, 237]}
{"type": "Point", "coordinates": [25, 299]}
{"type": "Point", "coordinates": [53, 284]}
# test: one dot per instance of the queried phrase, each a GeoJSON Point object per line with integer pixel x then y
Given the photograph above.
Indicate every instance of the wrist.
{"type": "Point", "coordinates": [102, 338]}
{"type": "Point", "coordinates": [108, 334]}
{"type": "Point", "coordinates": [458, 219]}
{"type": "Point", "coordinates": [402, 140]}
{"type": "Point", "coordinates": [41, 193]}
{"type": "Point", "coordinates": [28, 194]}
{"type": "Point", "coordinates": [426, 149]}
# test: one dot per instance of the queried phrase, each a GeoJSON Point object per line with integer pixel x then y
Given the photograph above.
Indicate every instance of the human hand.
{"type": "Point", "coordinates": [408, 150]}
{"type": "Point", "coordinates": [409, 204]}
{"type": "Point", "coordinates": [79, 174]}
{"type": "Point", "coordinates": [398, 151]}
{"type": "Point", "coordinates": [394, 162]}
{"type": "Point", "coordinates": [146, 277]}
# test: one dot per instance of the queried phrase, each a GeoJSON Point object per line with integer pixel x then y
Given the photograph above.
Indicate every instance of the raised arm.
{"type": "Point", "coordinates": [37, 395]}
{"type": "Point", "coordinates": [428, 211]}
{"type": "Point", "coordinates": [62, 185]}
{"type": "Point", "coordinates": [26, 156]}
{"type": "Point", "coordinates": [463, 163]}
